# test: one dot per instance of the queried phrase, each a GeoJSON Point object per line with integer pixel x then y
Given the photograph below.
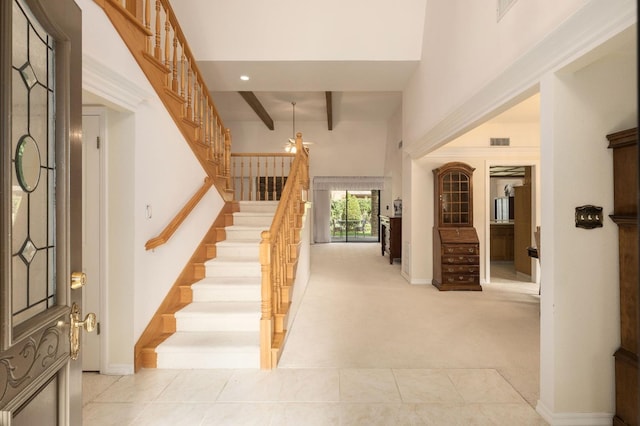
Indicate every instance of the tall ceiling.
{"type": "Point", "coordinates": [363, 51]}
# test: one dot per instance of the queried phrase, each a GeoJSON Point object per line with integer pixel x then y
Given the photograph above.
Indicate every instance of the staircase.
{"type": "Point", "coordinates": [221, 327]}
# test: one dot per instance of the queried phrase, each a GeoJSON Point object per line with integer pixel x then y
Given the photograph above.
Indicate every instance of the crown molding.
{"type": "Point", "coordinates": [104, 82]}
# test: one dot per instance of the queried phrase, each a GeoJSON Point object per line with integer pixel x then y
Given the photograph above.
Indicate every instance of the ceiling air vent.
{"type": "Point", "coordinates": [503, 6]}
{"type": "Point", "coordinates": [500, 142]}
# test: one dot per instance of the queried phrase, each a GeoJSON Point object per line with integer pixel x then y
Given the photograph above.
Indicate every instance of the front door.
{"type": "Point", "coordinates": [40, 215]}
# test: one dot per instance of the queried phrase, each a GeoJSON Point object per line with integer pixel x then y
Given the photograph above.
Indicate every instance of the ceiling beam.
{"type": "Point", "coordinates": [257, 107]}
{"type": "Point", "coordinates": [329, 110]}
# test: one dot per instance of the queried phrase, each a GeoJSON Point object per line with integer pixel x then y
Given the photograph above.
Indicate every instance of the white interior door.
{"type": "Point", "coordinates": [92, 236]}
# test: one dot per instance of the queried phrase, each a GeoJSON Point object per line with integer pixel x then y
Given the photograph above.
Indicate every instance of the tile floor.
{"type": "Point", "coordinates": [323, 381]}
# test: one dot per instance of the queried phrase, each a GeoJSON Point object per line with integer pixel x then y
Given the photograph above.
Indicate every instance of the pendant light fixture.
{"type": "Point", "coordinates": [291, 145]}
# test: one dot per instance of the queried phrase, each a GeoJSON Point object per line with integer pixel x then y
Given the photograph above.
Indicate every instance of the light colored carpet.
{"type": "Point", "coordinates": [359, 312]}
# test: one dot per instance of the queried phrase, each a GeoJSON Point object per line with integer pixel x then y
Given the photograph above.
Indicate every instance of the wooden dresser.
{"type": "Point", "coordinates": [625, 215]}
{"type": "Point", "coordinates": [456, 248]}
{"type": "Point", "coordinates": [391, 237]}
{"type": "Point", "coordinates": [456, 259]}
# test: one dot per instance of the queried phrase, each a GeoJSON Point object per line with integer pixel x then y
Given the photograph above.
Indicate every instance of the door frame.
{"type": "Point", "coordinates": [46, 335]}
{"type": "Point", "coordinates": [102, 280]}
{"type": "Point", "coordinates": [535, 209]}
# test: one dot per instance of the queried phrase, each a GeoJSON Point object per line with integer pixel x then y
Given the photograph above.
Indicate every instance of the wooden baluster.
{"type": "Point", "coordinates": [147, 22]}
{"type": "Point", "coordinates": [167, 43]}
{"type": "Point", "coordinates": [275, 182]}
{"type": "Point", "coordinates": [182, 71]}
{"type": "Point", "coordinates": [282, 174]}
{"type": "Point", "coordinates": [207, 133]}
{"type": "Point", "coordinates": [189, 114]}
{"type": "Point", "coordinates": [167, 48]}
{"type": "Point", "coordinates": [242, 178]}
{"type": "Point", "coordinates": [250, 180]}
{"type": "Point", "coordinates": [227, 155]}
{"type": "Point", "coordinates": [195, 102]}
{"type": "Point", "coordinates": [157, 52]}
{"type": "Point", "coordinates": [201, 106]}
{"type": "Point", "coordinates": [174, 67]}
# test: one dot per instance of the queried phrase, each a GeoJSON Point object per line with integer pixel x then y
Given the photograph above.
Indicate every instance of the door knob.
{"type": "Point", "coordinates": [75, 324]}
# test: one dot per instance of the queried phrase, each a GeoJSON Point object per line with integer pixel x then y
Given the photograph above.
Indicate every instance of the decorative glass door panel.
{"type": "Point", "coordinates": [33, 168]}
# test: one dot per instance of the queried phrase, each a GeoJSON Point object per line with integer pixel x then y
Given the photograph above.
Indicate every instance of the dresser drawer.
{"type": "Point", "coordinates": [460, 249]}
{"type": "Point", "coordinates": [460, 279]}
{"type": "Point", "coordinates": [460, 260]}
{"type": "Point", "coordinates": [460, 269]}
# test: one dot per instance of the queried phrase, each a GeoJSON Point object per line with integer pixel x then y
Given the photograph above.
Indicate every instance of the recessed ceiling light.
{"type": "Point", "coordinates": [244, 77]}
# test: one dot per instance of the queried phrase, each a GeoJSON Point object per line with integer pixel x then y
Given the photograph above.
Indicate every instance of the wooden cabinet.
{"type": "Point", "coordinates": [391, 237]}
{"type": "Point", "coordinates": [625, 213]}
{"type": "Point", "coordinates": [456, 248]}
{"type": "Point", "coordinates": [501, 241]}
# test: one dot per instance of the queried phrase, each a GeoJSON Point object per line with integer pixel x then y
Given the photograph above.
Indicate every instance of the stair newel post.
{"type": "Point", "coordinates": [157, 51]}
{"type": "Point", "coordinates": [299, 145]}
{"type": "Point", "coordinates": [266, 322]}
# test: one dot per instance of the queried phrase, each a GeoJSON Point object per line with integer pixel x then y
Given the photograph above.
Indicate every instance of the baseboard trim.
{"type": "Point", "coordinates": [118, 370]}
{"type": "Point", "coordinates": [573, 419]}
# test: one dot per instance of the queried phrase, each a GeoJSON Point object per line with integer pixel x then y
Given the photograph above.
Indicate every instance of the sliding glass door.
{"type": "Point", "coordinates": [354, 216]}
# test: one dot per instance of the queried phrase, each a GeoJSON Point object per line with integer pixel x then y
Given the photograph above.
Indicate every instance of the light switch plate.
{"type": "Point", "coordinates": [588, 217]}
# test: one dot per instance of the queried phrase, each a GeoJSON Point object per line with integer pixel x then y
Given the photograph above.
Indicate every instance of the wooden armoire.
{"type": "Point", "coordinates": [456, 248]}
{"type": "Point", "coordinates": [625, 214]}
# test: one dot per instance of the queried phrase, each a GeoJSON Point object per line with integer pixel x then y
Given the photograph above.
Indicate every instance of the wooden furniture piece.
{"type": "Point", "coordinates": [391, 236]}
{"type": "Point", "coordinates": [625, 213]}
{"type": "Point", "coordinates": [501, 241]}
{"type": "Point", "coordinates": [456, 248]}
{"type": "Point", "coordinates": [522, 225]}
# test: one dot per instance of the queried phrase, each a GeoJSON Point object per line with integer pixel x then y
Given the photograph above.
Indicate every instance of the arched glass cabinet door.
{"type": "Point", "coordinates": [454, 195]}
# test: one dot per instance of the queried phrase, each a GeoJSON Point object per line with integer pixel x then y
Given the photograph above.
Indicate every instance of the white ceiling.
{"type": "Point", "coordinates": [365, 63]}
{"type": "Point", "coordinates": [363, 51]}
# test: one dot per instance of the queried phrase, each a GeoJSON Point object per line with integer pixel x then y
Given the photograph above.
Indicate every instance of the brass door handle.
{"type": "Point", "coordinates": [75, 323]}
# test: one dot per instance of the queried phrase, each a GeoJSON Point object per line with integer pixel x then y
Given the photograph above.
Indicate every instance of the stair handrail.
{"type": "Point", "coordinates": [166, 46]}
{"type": "Point", "coordinates": [180, 217]}
{"type": "Point", "coordinates": [277, 252]}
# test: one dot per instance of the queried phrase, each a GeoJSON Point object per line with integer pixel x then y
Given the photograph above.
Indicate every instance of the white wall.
{"type": "Point", "coordinates": [298, 31]}
{"type": "Point", "coordinates": [350, 149]}
{"type": "Point", "coordinates": [392, 164]}
{"type": "Point", "coordinates": [149, 164]}
{"type": "Point", "coordinates": [472, 66]}
{"type": "Point", "coordinates": [580, 267]}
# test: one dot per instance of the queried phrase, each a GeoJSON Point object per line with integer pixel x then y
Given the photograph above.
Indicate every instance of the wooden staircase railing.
{"type": "Point", "coordinates": [259, 176]}
{"type": "Point", "coordinates": [151, 31]}
{"type": "Point", "coordinates": [279, 250]}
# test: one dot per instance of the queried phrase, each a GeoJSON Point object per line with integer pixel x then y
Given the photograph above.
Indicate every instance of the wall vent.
{"type": "Point", "coordinates": [500, 141]}
{"type": "Point", "coordinates": [503, 7]}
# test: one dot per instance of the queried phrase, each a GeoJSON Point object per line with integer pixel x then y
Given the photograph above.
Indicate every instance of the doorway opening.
{"type": "Point", "coordinates": [354, 216]}
{"type": "Point", "coordinates": [510, 226]}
